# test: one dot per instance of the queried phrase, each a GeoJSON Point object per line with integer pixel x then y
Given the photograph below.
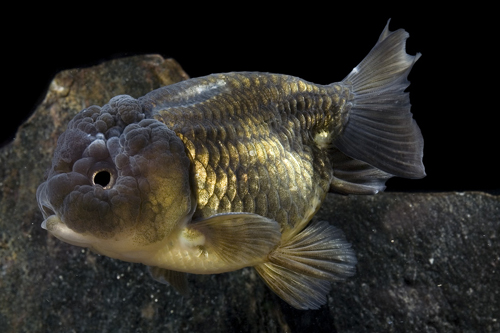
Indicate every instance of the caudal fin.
{"type": "Point", "coordinates": [380, 129]}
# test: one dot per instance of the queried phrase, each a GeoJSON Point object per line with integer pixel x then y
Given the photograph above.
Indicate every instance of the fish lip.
{"type": "Point", "coordinates": [51, 223]}
{"type": "Point", "coordinates": [60, 230]}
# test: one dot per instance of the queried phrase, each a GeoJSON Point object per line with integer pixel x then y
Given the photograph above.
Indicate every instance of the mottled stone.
{"type": "Point", "coordinates": [427, 261]}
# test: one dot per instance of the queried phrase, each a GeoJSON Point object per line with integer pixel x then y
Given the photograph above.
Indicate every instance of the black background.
{"type": "Point", "coordinates": [453, 85]}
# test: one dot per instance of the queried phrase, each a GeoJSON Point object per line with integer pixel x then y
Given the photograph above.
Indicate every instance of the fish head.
{"type": "Point", "coordinates": [119, 183]}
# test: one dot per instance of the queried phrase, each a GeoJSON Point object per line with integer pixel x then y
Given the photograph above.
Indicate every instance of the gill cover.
{"type": "Point", "coordinates": [116, 175]}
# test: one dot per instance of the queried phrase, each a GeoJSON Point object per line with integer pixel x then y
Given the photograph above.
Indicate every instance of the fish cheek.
{"type": "Point", "coordinates": [87, 205]}
{"type": "Point", "coordinates": [102, 213]}
{"type": "Point", "coordinates": [83, 212]}
{"type": "Point", "coordinates": [169, 199]}
{"type": "Point", "coordinates": [155, 157]}
{"type": "Point", "coordinates": [60, 185]}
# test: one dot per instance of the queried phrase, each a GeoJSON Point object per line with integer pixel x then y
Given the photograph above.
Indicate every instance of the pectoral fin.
{"type": "Point", "coordinates": [178, 280]}
{"type": "Point", "coordinates": [233, 240]}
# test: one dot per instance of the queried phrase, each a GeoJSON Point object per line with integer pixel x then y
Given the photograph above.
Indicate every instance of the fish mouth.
{"type": "Point", "coordinates": [46, 211]}
{"type": "Point", "coordinates": [53, 224]}
{"type": "Point", "coordinates": [60, 230]}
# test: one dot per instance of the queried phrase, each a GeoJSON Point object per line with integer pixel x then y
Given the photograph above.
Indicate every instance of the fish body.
{"type": "Point", "coordinates": [222, 172]}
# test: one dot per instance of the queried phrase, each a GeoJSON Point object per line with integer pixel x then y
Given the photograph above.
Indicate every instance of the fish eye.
{"type": "Point", "coordinates": [103, 178]}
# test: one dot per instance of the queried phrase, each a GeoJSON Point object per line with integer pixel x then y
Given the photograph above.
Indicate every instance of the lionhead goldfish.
{"type": "Point", "coordinates": [222, 172]}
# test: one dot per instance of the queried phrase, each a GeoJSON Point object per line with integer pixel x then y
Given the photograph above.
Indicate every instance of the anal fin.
{"type": "Point", "coordinates": [352, 176]}
{"type": "Point", "coordinates": [300, 270]}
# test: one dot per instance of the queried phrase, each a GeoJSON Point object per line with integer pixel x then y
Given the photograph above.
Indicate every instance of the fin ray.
{"type": "Point", "coordinates": [178, 280]}
{"type": "Point", "coordinates": [300, 291]}
{"type": "Point", "coordinates": [351, 176]}
{"type": "Point", "coordinates": [241, 239]}
{"type": "Point", "coordinates": [301, 269]}
{"type": "Point", "coordinates": [380, 129]}
{"type": "Point", "coordinates": [321, 251]}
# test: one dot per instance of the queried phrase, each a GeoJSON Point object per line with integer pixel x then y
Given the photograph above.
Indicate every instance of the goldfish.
{"type": "Point", "coordinates": [226, 171]}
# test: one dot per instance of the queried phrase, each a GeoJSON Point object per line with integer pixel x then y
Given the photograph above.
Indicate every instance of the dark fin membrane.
{"type": "Point", "coordinates": [380, 129]}
{"type": "Point", "coordinates": [300, 291]}
{"type": "Point", "coordinates": [178, 280]}
{"type": "Point", "coordinates": [300, 270]}
{"type": "Point", "coordinates": [352, 176]}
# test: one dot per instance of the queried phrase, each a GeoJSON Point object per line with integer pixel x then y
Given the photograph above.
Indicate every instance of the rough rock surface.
{"type": "Point", "coordinates": [428, 262]}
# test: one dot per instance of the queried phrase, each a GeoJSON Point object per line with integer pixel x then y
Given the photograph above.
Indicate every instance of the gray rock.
{"type": "Point", "coordinates": [427, 261]}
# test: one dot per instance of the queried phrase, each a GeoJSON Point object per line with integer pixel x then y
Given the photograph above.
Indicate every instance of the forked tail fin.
{"type": "Point", "coordinates": [380, 129]}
